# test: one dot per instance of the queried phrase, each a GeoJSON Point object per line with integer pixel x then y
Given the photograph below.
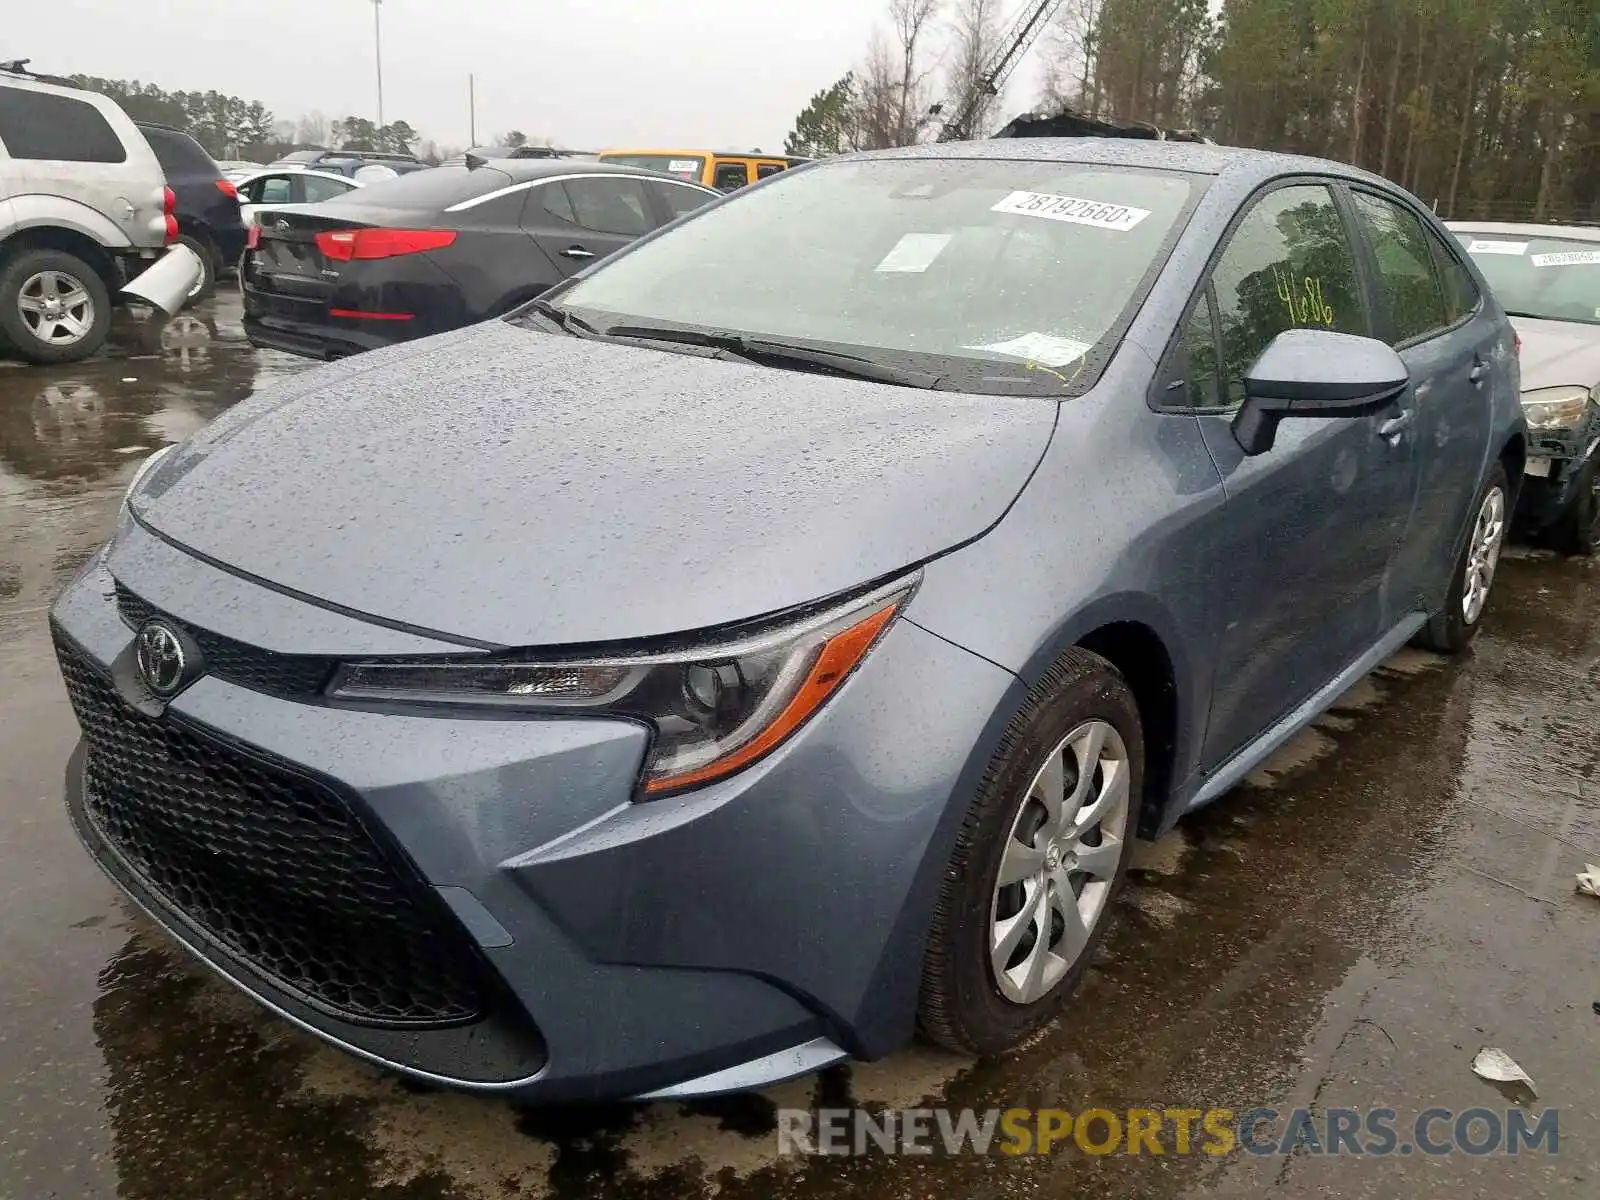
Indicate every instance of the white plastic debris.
{"type": "Point", "coordinates": [1589, 881]}
{"type": "Point", "coordinates": [130, 379]}
{"type": "Point", "coordinates": [1497, 1066]}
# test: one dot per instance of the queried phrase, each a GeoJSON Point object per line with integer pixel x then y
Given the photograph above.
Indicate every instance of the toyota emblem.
{"type": "Point", "coordinates": [159, 654]}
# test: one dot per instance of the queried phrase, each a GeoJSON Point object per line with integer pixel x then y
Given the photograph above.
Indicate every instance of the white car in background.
{"type": "Point", "coordinates": [277, 187]}
{"type": "Point", "coordinates": [1547, 278]}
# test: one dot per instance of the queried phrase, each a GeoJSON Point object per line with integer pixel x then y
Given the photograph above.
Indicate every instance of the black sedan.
{"type": "Point", "coordinates": [439, 249]}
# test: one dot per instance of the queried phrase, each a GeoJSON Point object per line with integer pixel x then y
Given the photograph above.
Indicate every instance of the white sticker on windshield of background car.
{"type": "Point", "coordinates": [1481, 247]}
{"type": "Point", "coordinates": [683, 164]}
{"type": "Point", "coordinates": [1099, 213]}
{"type": "Point", "coordinates": [914, 253]}
{"type": "Point", "coordinates": [1567, 258]}
{"type": "Point", "coordinates": [1044, 348]}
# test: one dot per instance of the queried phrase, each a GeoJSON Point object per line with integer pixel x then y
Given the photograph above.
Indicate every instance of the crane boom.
{"type": "Point", "coordinates": [1024, 31]}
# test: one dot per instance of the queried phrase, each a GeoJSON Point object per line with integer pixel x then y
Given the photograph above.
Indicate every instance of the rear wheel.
{"type": "Point", "coordinates": [1578, 530]}
{"type": "Point", "coordinates": [1453, 629]}
{"type": "Point", "coordinates": [1027, 894]}
{"type": "Point", "coordinates": [54, 307]}
{"type": "Point", "coordinates": [207, 254]}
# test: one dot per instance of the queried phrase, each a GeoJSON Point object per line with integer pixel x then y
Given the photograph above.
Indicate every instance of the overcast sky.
{"type": "Point", "coordinates": [588, 73]}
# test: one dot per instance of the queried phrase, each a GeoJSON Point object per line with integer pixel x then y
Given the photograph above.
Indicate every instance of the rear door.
{"type": "Point", "coordinates": [1429, 310]}
{"type": "Point", "coordinates": [581, 219]}
{"type": "Point", "coordinates": [1304, 543]}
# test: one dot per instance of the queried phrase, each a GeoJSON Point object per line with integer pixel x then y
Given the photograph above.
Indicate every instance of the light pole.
{"type": "Point", "coordinates": [377, 49]}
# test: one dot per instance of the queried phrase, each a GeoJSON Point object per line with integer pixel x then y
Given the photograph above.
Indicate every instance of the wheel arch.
{"type": "Point", "coordinates": [68, 241]}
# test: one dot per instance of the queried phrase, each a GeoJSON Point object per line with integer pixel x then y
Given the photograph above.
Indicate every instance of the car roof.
{"type": "Point", "coordinates": [1581, 233]}
{"type": "Point", "coordinates": [1201, 158]}
{"type": "Point", "coordinates": [257, 172]}
{"type": "Point", "coordinates": [522, 170]}
{"type": "Point", "coordinates": [710, 153]}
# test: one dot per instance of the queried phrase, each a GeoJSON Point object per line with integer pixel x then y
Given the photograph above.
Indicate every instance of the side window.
{"type": "Point", "coordinates": [767, 170]}
{"type": "Point", "coordinates": [1288, 265]}
{"type": "Point", "coordinates": [1460, 292]}
{"type": "Point", "coordinates": [275, 189]}
{"type": "Point", "coordinates": [1405, 267]}
{"type": "Point", "coordinates": [319, 189]}
{"type": "Point", "coordinates": [680, 199]}
{"type": "Point", "coordinates": [39, 125]}
{"type": "Point", "coordinates": [730, 176]}
{"type": "Point", "coordinates": [555, 201]}
{"type": "Point", "coordinates": [615, 206]}
{"type": "Point", "coordinates": [1200, 351]}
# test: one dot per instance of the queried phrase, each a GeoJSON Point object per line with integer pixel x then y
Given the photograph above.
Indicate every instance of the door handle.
{"type": "Point", "coordinates": [577, 252]}
{"type": "Point", "coordinates": [1477, 373]}
{"type": "Point", "coordinates": [1391, 429]}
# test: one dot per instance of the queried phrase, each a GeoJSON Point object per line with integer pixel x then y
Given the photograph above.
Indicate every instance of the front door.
{"type": "Point", "coordinates": [1305, 539]}
{"type": "Point", "coordinates": [1429, 311]}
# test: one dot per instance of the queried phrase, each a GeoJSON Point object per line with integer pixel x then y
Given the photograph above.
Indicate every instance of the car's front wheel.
{"type": "Point", "coordinates": [1450, 631]}
{"type": "Point", "coordinates": [1039, 859]}
{"type": "Point", "coordinates": [54, 307]}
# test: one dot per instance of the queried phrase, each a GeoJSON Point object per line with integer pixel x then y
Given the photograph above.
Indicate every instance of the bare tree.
{"type": "Point", "coordinates": [910, 20]}
{"type": "Point", "coordinates": [976, 44]}
{"type": "Point", "coordinates": [313, 130]}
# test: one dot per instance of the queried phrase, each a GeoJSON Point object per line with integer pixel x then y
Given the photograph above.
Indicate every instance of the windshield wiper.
{"type": "Point", "coordinates": [778, 353]}
{"type": "Point", "coordinates": [567, 322]}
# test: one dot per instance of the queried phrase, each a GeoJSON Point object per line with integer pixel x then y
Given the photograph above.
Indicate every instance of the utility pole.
{"type": "Point", "coordinates": [472, 113]}
{"type": "Point", "coordinates": [377, 48]}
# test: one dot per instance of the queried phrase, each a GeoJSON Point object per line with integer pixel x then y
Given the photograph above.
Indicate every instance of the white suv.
{"type": "Point", "coordinates": [83, 207]}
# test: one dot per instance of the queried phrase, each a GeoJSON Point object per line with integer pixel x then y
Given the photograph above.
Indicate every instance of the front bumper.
{"type": "Point", "coordinates": [719, 940]}
{"type": "Point", "coordinates": [1556, 458]}
{"type": "Point", "coordinates": [167, 282]}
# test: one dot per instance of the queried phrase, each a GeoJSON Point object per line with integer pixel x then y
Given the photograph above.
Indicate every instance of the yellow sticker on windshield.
{"type": "Point", "coordinates": [1099, 213]}
{"type": "Point", "coordinates": [1302, 298]}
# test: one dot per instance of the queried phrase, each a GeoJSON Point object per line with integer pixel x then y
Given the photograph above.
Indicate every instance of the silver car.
{"type": "Point", "coordinates": [84, 206]}
{"type": "Point", "coordinates": [1548, 279]}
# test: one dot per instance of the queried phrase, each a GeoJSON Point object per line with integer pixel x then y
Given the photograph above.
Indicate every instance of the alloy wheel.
{"type": "Point", "coordinates": [1059, 863]}
{"type": "Point", "coordinates": [1483, 557]}
{"type": "Point", "coordinates": [56, 308]}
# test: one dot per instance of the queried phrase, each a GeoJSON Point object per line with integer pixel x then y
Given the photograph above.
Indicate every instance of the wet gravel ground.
{"type": "Point", "coordinates": [1390, 894]}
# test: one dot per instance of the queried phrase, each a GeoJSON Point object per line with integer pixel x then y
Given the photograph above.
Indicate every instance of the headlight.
{"type": "Point", "coordinates": [1555, 407]}
{"type": "Point", "coordinates": [715, 708]}
{"type": "Point", "coordinates": [144, 469]}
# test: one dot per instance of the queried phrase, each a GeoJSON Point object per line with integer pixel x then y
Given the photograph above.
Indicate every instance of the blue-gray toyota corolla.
{"type": "Point", "coordinates": [770, 643]}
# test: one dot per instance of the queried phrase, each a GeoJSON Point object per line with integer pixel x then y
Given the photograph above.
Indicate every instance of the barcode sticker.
{"type": "Point", "coordinates": [1483, 247]}
{"type": "Point", "coordinates": [1567, 258]}
{"type": "Point", "coordinates": [1099, 213]}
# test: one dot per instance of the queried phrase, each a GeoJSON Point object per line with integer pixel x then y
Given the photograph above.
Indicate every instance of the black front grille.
{"type": "Point", "coordinates": [274, 867]}
{"type": "Point", "coordinates": [291, 676]}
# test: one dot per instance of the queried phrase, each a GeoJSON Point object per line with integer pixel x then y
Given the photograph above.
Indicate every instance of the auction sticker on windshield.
{"type": "Point", "coordinates": [1567, 258]}
{"type": "Point", "coordinates": [1099, 213]}
{"type": "Point", "coordinates": [1481, 247]}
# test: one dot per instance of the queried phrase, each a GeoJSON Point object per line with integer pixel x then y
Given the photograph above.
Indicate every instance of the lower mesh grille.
{"type": "Point", "coordinates": [274, 867]}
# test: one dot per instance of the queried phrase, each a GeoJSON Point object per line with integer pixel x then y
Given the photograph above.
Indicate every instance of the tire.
{"type": "Point", "coordinates": [207, 254]}
{"type": "Point", "coordinates": [29, 279]}
{"type": "Point", "coordinates": [964, 1005]}
{"type": "Point", "coordinates": [1452, 630]}
{"type": "Point", "coordinates": [1578, 529]}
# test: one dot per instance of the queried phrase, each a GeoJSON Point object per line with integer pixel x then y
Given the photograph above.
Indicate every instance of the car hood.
{"type": "Point", "coordinates": [515, 488]}
{"type": "Point", "coordinates": [1558, 352]}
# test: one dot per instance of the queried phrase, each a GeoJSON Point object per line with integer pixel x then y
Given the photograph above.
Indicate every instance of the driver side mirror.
{"type": "Point", "coordinates": [1315, 373]}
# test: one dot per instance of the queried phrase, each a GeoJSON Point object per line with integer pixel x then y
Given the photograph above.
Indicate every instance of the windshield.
{"type": "Point", "coordinates": [945, 266]}
{"type": "Point", "coordinates": [684, 166]}
{"type": "Point", "coordinates": [1557, 279]}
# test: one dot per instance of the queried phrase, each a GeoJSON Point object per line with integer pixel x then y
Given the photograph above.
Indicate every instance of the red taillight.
{"type": "Point", "coordinates": [343, 245]}
{"type": "Point", "coordinates": [169, 209]}
{"type": "Point", "coordinates": [227, 189]}
{"type": "Point", "coordinates": [253, 238]}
